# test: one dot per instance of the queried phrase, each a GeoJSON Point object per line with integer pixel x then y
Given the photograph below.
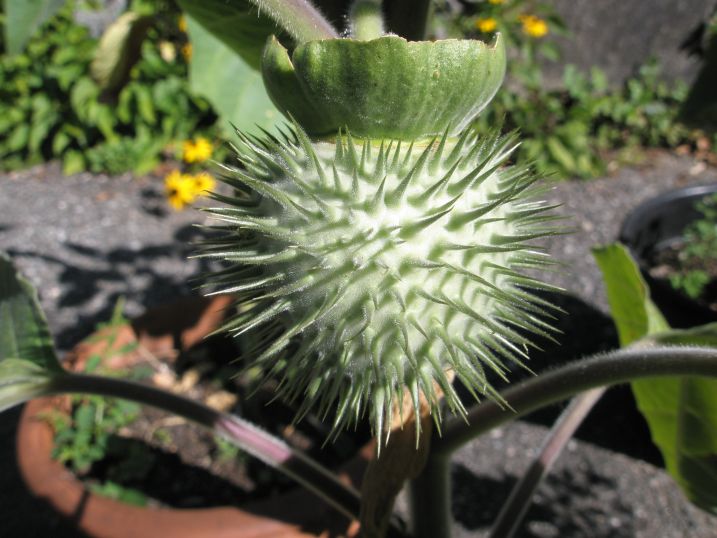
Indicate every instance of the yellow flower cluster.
{"type": "Point", "coordinates": [184, 189]}
{"type": "Point", "coordinates": [486, 24]}
{"type": "Point", "coordinates": [197, 150]}
{"type": "Point", "coordinates": [534, 26]}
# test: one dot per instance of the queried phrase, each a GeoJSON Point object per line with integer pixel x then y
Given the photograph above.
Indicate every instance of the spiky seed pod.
{"type": "Point", "coordinates": [375, 267]}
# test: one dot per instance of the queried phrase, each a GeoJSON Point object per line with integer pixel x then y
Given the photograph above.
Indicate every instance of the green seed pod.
{"type": "Point", "coordinates": [375, 267]}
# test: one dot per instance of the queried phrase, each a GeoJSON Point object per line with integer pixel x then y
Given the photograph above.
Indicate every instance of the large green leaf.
{"type": "Point", "coordinates": [27, 355]}
{"type": "Point", "coordinates": [23, 18]}
{"type": "Point", "coordinates": [230, 84]}
{"type": "Point", "coordinates": [635, 315]}
{"type": "Point", "coordinates": [681, 411]}
{"type": "Point", "coordinates": [234, 23]}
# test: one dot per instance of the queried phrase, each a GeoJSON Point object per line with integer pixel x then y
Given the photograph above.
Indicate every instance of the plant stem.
{"type": "Point", "coordinates": [513, 511]}
{"type": "Point", "coordinates": [620, 366]}
{"type": "Point", "coordinates": [401, 460]}
{"type": "Point", "coordinates": [366, 18]}
{"type": "Point", "coordinates": [299, 18]}
{"type": "Point", "coordinates": [431, 503]}
{"type": "Point", "coordinates": [245, 435]}
{"type": "Point", "coordinates": [431, 499]}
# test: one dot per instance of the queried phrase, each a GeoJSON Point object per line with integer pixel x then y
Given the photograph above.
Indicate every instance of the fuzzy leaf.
{"type": "Point", "coordinates": [680, 411]}
{"type": "Point", "coordinates": [23, 18]}
{"type": "Point", "coordinates": [27, 355]}
{"type": "Point", "coordinates": [228, 82]}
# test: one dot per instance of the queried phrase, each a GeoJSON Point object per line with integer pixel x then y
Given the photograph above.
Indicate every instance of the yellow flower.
{"type": "Point", "coordinates": [180, 189]}
{"type": "Point", "coordinates": [182, 23]}
{"type": "Point", "coordinates": [203, 183]}
{"type": "Point", "coordinates": [534, 26]}
{"type": "Point", "coordinates": [486, 25]}
{"type": "Point", "coordinates": [197, 150]}
{"type": "Point", "coordinates": [187, 51]}
{"type": "Point", "coordinates": [495, 2]}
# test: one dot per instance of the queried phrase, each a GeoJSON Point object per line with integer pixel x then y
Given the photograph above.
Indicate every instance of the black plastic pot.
{"type": "Point", "coordinates": [659, 224]}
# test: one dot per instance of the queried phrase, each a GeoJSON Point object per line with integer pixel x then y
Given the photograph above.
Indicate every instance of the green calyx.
{"type": "Point", "coordinates": [368, 269]}
{"type": "Point", "coordinates": [386, 87]}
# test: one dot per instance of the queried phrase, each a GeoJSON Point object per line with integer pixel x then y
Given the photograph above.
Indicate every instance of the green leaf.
{"type": "Point", "coordinates": [235, 90]}
{"type": "Point", "coordinates": [27, 354]}
{"type": "Point", "coordinates": [145, 105]}
{"type": "Point", "coordinates": [236, 24]}
{"type": "Point", "coordinates": [632, 310]}
{"type": "Point", "coordinates": [19, 137]}
{"type": "Point", "coordinates": [73, 163]}
{"type": "Point", "coordinates": [59, 143]}
{"type": "Point", "coordinates": [118, 50]}
{"type": "Point", "coordinates": [680, 411]}
{"type": "Point", "coordinates": [23, 18]}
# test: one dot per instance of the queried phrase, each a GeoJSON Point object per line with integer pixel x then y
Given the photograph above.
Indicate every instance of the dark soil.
{"type": "Point", "coordinates": [177, 464]}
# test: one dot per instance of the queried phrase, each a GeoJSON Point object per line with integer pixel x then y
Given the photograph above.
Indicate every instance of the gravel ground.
{"type": "Point", "coordinates": [597, 208]}
{"type": "Point", "coordinates": [87, 240]}
{"type": "Point", "coordinates": [591, 492]}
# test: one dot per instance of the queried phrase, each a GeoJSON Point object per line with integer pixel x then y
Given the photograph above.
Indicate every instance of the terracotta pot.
{"type": "Point", "coordinates": [163, 332]}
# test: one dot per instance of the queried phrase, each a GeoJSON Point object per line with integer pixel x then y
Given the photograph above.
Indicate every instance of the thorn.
{"type": "Point", "coordinates": [406, 160]}
{"type": "Point", "coordinates": [396, 195]}
{"type": "Point", "coordinates": [365, 155]}
{"type": "Point", "coordinates": [436, 159]}
{"type": "Point", "coordinates": [337, 180]}
{"type": "Point", "coordinates": [378, 197]}
{"type": "Point", "coordinates": [380, 169]}
{"type": "Point", "coordinates": [396, 154]}
{"type": "Point", "coordinates": [433, 189]}
{"type": "Point", "coordinates": [475, 177]}
{"type": "Point", "coordinates": [458, 148]}
{"type": "Point", "coordinates": [412, 229]}
{"type": "Point", "coordinates": [353, 159]}
{"type": "Point", "coordinates": [339, 149]}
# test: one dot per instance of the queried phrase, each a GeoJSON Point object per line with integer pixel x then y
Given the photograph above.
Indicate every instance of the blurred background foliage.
{"type": "Point", "coordinates": [117, 85]}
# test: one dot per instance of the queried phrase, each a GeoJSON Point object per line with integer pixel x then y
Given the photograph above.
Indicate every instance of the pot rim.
{"type": "Point", "coordinates": [633, 221]}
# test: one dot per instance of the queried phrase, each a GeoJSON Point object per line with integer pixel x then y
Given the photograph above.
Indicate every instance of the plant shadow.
{"type": "Point", "coordinates": [566, 504]}
{"type": "Point", "coordinates": [91, 280]}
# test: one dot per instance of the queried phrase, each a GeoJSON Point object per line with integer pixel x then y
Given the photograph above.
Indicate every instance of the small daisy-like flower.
{"type": "Point", "coordinates": [180, 189]}
{"type": "Point", "coordinates": [203, 183]}
{"type": "Point", "coordinates": [197, 150]}
{"type": "Point", "coordinates": [534, 26]}
{"type": "Point", "coordinates": [486, 25]}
